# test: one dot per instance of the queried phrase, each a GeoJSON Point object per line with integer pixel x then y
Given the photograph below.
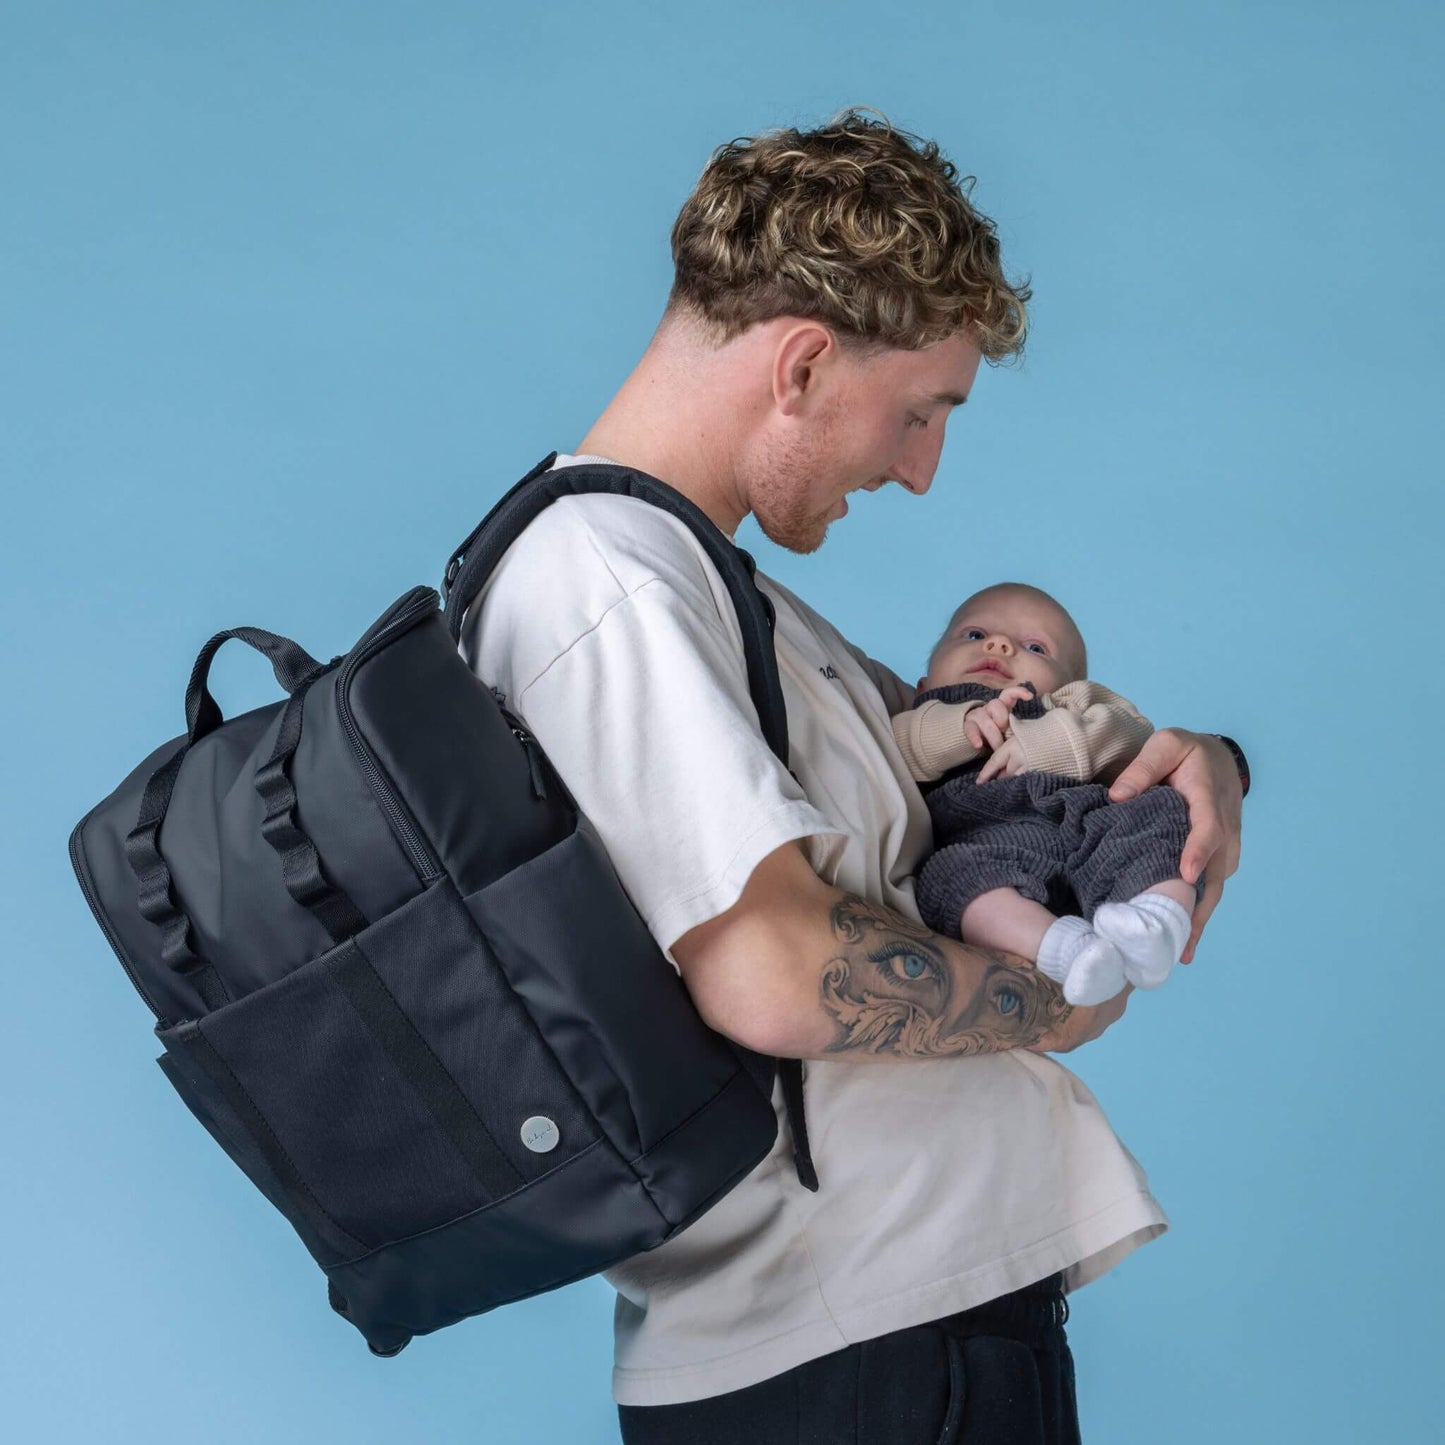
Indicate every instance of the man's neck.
{"type": "Point", "coordinates": [667, 421]}
{"type": "Point", "coordinates": [684, 471]}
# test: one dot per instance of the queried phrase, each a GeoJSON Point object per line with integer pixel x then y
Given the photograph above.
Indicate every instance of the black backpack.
{"type": "Point", "coordinates": [396, 976]}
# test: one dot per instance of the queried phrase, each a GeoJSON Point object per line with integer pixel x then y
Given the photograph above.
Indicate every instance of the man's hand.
{"type": "Point", "coordinates": [1202, 769]}
{"type": "Point", "coordinates": [988, 726]}
{"type": "Point", "coordinates": [1083, 1024]}
{"type": "Point", "coordinates": [1004, 762]}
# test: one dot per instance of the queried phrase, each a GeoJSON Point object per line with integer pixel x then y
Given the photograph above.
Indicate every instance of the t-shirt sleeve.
{"type": "Point", "coordinates": [897, 694]}
{"type": "Point", "coordinates": [648, 719]}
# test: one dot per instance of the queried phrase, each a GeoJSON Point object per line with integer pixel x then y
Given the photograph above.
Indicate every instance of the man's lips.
{"type": "Point", "coordinates": [991, 666]}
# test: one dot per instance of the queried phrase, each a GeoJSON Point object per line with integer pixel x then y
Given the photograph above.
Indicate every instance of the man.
{"type": "Point", "coordinates": [835, 293]}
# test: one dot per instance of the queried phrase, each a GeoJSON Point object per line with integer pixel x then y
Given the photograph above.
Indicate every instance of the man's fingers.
{"type": "Point", "coordinates": [1213, 889]}
{"type": "Point", "coordinates": [1160, 755]}
{"type": "Point", "coordinates": [1203, 842]}
{"type": "Point", "coordinates": [1083, 1024]}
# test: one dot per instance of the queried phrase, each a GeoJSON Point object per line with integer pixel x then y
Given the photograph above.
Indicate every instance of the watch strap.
{"type": "Point", "coordinates": [1241, 762]}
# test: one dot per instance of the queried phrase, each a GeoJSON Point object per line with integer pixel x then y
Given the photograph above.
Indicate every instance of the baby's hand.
{"type": "Point", "coordinates": [1004, 762]}
{"type": "Point", "coordinates": [989, 725]}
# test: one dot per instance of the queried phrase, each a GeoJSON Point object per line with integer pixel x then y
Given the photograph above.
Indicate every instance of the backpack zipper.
{"type": "Point", "coordinates": [534, 763]}
{"type": "Point", "coordinates": [410, 610]}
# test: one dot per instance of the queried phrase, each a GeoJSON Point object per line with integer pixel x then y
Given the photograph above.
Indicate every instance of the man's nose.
{"type": "Point", "coordinates": [920, 464]}
{"type": "Point", "coordinates": [912, 480]}
{"type": "Point", "coordinates": [998, 643]}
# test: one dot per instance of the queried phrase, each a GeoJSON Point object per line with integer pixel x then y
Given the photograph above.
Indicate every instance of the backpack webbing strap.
{"type": "Point", "coordinates": [300, 862]}
{"type": "Point", "coordinates": [156, 894]}
{"type": "Point", "coordinates": [476, 559]}
{"type": "Point", "coordinates": [403, 1043]}
{"type": "Point", "coordinates": [295, 670]}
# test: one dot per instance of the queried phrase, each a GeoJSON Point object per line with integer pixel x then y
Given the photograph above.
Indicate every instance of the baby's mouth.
{"type": "Point", "coordinates": [992, 666]}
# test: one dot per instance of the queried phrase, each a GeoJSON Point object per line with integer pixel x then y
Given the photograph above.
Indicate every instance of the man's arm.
{"type": "Point", "coordinates": [897, 695]}
{"type": "Point", "coordinates": [800, 969]}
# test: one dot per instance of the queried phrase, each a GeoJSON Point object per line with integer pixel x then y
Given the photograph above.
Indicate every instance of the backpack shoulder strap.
{"type": "Point", "coordinates": [476, 559]}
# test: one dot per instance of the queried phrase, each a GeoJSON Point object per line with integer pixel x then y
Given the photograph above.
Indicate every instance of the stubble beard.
{"type": "Point", "coordinates": [787, 468]}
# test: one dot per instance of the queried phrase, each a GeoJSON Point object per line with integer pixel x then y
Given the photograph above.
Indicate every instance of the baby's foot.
{"type": "Point", "coordinates": [1150, 931]}
{"type": "Point", "coordinates": [1089, 966]}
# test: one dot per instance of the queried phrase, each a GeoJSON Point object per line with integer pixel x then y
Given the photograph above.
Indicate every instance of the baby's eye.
{"type": "Point", "coordinates": [1039, 648]}
{"type": "Point", "coordinates": [973, 634]}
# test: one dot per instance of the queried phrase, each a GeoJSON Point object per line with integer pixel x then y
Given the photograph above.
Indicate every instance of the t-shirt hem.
{"type": "Point", "coordinates": [1082, 1252]}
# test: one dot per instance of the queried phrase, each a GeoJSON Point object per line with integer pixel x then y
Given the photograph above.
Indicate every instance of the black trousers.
{"type": "Point", "coordinates": [999, 1374]}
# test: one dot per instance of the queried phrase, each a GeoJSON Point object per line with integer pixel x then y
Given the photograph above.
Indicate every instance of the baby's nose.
{"type": "Point", "coordinates": [998, 643]}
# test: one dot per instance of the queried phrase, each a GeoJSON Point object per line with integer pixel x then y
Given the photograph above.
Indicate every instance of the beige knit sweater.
{"type": "Point", "coordinates": [1086, 732]}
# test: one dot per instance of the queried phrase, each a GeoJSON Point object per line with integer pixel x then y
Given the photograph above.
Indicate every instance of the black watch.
{"type": "Point", "coordinates": [1241, 762]}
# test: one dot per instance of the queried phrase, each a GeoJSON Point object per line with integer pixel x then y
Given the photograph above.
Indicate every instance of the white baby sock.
{"type": "Point", "coordinates": [1150, 931]}
{"type": "Point", "coordinates": [1090, 967]}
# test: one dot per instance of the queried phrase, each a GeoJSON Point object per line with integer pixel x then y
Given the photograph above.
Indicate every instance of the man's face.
{"type": "Point", "coordinates": [871, 421]}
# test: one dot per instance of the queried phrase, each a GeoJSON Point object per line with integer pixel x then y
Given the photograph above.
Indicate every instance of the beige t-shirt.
{"type": "Point", "coordinates": [944, 1182]}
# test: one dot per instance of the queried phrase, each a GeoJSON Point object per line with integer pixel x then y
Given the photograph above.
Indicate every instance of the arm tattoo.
{"type": "Point", "coordinates": [897, 988]}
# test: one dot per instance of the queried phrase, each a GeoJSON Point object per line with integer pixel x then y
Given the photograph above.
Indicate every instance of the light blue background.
{"type": "Point", "coordinates": [292, 292]}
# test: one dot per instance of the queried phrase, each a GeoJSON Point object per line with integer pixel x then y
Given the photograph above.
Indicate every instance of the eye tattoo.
{"type": "Point", "coordinates": [901, 962]}
{"type": "Point", "coordinates": [894, 989]}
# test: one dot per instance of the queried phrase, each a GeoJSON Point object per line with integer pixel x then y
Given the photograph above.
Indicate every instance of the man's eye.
{"type": "Point", "coordinates": [917, 421]}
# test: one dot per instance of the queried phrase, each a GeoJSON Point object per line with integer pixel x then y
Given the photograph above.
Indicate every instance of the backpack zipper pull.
{"type": "Point", "coordinates": [534, 763]}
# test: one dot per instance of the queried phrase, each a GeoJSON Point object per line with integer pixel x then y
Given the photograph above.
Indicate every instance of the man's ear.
{"type": "Point", "coordinates": [796, 363]}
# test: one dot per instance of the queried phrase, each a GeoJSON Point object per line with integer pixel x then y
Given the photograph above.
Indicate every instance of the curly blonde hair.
{"type": "Point", "coordinates": [853, 225]}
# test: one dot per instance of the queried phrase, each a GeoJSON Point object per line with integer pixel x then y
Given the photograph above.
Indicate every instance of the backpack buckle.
{"type": "Point", "coordinates": [450, 576]}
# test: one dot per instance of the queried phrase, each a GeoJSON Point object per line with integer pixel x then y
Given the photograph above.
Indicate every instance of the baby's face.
{"type": "Point", "coordinates": [999, 638]}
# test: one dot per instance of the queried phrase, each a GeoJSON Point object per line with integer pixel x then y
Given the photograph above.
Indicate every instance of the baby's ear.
{"type": "Point", "coordinates": [921, 681]}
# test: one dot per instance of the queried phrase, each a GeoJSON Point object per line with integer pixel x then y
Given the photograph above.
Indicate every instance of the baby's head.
{"type": "Point", "coordinates": [1008, 633]}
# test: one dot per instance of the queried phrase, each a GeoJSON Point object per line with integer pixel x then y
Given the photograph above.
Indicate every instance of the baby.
{"type": "Point", "coordinates": [1015, 750]}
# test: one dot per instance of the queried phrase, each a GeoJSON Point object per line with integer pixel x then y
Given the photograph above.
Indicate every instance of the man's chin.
{"type": "Point", "coordinates": [792, 536]}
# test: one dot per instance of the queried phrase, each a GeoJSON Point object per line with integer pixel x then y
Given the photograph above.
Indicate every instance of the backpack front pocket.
{"type": "Point", "coordinates": [389, 1086]}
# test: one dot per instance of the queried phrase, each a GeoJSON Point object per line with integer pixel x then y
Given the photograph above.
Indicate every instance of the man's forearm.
{"type": "Point", "coordinates": [798, 968]}
{"type": "Point", "coordinates": [889, 988]}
